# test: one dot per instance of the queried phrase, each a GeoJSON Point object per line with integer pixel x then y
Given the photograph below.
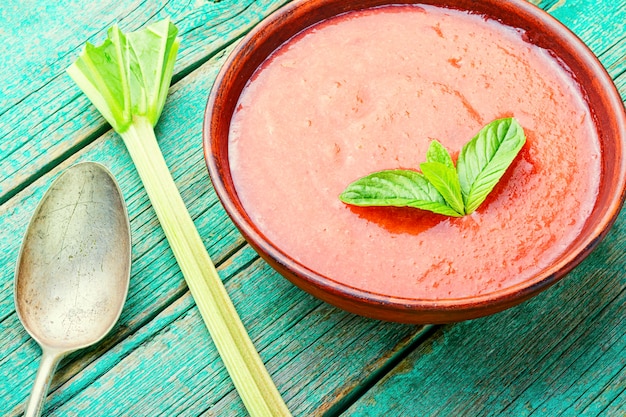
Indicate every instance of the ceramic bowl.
{"type": "Point", "coordinates": [542, 30]}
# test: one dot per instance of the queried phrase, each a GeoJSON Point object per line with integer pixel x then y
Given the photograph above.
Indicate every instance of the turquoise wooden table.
{"type": "Point", "coordinates": [561, 353]}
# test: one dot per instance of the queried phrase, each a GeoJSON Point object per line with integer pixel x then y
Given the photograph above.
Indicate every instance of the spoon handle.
{"type": "Point", "coordinates": [47, 366]}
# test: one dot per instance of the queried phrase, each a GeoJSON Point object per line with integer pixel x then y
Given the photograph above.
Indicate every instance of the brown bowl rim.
{"type": "Point", "coordinates": [456, 308]}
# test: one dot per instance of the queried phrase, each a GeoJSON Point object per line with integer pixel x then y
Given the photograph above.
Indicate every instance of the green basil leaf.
{"type": "Point", "coordinates": [397, 188]}
{"type": "Point", "coordinates": [485, 158]}
{"type": "Point", "coordinates": [445, 179]}
{"type": "Point", "coordinates": [438, 153]}
{"type": "Point", "coordinates": [441, 187]}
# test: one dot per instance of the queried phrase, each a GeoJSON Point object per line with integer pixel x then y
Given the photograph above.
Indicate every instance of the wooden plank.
{"type": "Point", "coordinates": [597, 23]}
{"type": "Point", "coordinates": [321, 354]}
{"type": "Point", "coordinates": [43, 115]}
{"type": "Point", "coordinates": [562, 352]}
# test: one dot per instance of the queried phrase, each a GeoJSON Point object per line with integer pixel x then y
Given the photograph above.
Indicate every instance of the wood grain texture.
{"type": "Point", "coordinates": [562, 352]}
{"type": "Point", "coordinates": [44, 117]}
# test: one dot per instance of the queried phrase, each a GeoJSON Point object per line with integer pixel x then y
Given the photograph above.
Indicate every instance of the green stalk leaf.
{"type": "Point", "coordinates": [128, 75]}
{"type": "Point", "coordinates": [397, 188]}
{"type": "Point", "coordinates": [127, 79]}
{"type": "Point", "coordinates": [153, 52]}
{"type": "Point", "coordinates": [485, 159]}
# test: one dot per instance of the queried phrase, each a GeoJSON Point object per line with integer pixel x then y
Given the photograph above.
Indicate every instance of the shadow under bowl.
{"type": "Point", "coordinates": [542, 30]}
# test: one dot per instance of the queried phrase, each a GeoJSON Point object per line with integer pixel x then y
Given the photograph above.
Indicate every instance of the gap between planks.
{"type": "Point", "coordinates": [357, 392]}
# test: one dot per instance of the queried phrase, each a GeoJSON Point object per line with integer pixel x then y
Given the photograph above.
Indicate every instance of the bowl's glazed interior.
{"type": "Point", "coordinates": [540, 29]}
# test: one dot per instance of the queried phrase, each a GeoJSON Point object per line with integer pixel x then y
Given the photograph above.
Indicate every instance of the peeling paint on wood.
{"type": "Point", "coordinates": [562, 352]}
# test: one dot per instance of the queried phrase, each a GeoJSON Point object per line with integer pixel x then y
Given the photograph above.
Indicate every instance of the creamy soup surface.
{"type": "Point", "coordinates": [367, 91]}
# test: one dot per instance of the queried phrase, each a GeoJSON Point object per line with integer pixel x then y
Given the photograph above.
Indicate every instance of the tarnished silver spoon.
{"type": "Point", "coordinates": [73, 270]}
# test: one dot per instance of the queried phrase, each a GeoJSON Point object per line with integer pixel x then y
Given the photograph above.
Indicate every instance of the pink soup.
{"type": "Point", "coordinates": [369, 90]}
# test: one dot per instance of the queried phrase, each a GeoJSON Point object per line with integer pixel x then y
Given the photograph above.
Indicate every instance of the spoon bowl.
{"type": "Point", "coordinates": [73, 270]}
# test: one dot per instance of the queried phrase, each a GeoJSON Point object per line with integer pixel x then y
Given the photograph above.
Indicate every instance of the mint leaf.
{"type": "Point", "coordinates": [485, 158]}
{"type": "Point", "coordinates": [397, 188]}
{"type": "Point", "coordinates": [440, 171]}
{"type": "Point", "coordinates": [445, 179]}
{"type": "Point", "coordinates": [441, 187]}
{"type": "Point", "coordinates": [438, 153]}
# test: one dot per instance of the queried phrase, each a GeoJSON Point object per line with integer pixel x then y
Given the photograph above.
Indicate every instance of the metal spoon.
{"type": "Point", "coordinates": [73, 270]}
